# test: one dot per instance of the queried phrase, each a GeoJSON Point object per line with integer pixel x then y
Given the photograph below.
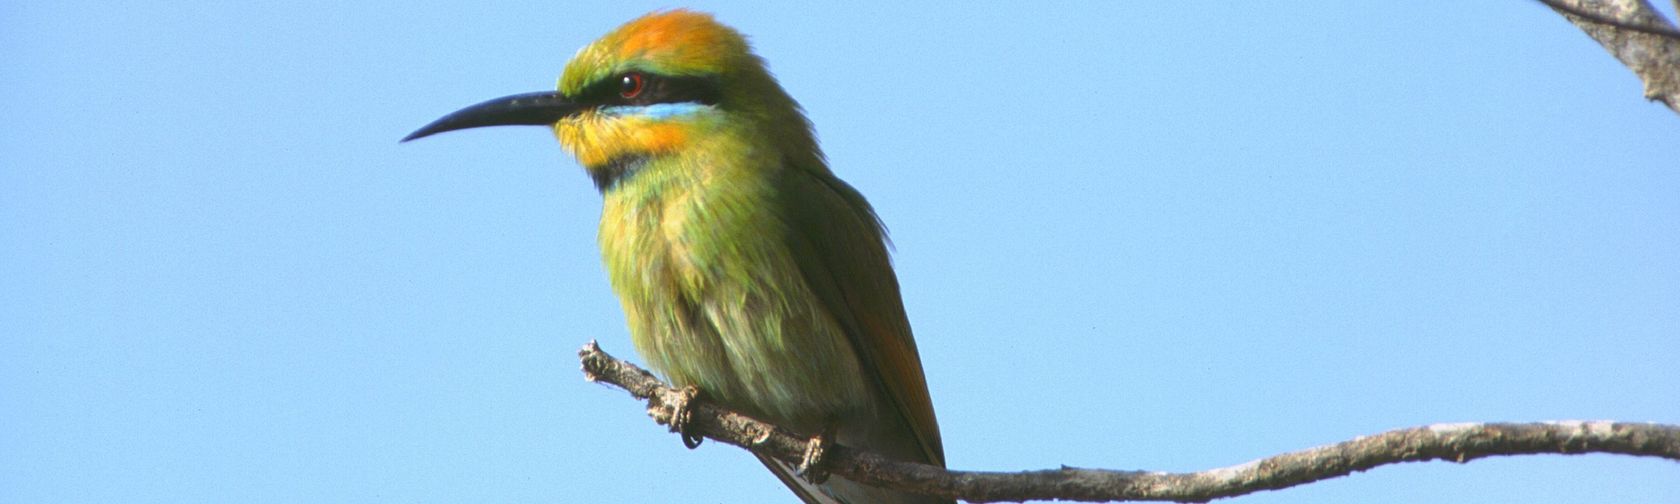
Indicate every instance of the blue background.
{"type": "Point", "coordinates": [1167, 236]}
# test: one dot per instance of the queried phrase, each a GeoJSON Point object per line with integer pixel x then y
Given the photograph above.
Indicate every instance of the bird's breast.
{"type": "Point", "coordinates": [715, 299]}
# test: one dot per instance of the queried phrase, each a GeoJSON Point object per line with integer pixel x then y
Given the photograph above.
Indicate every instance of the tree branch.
{"type": "Point", "coordinates": [1565, 8]}
{"type": "Point", "coordinates": [1635, 33]}
{"type": "Point", "coordinates": [1452, 442]}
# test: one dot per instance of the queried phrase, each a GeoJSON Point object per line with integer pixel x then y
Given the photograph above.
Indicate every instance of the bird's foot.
{"type": "Point", "coordinates": [811, 465]}
{"type": "Point", "coordinates": [682, 411]}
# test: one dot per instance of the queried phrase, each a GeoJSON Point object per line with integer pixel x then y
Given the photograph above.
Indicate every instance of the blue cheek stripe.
{"type": "Point", "coordinates": [657, 110]}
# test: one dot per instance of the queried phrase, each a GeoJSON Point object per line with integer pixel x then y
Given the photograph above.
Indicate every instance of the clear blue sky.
{"type": "Point", "coordinates": [1168, 235]}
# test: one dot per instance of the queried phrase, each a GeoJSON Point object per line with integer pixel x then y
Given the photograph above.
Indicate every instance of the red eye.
{"type": "Point", "coordinates": [631, 85]}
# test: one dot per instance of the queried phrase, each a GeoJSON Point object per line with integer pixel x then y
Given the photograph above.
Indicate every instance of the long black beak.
{"type": "Point", "coordinates": [535, 109]}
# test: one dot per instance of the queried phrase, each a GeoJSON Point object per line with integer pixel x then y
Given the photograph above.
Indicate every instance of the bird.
{"type": "Point", "coordinates": [745, 268]}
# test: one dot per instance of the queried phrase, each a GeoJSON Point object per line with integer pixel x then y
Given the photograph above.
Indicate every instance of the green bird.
{"type": "Point", "coordinates": [745, 268]}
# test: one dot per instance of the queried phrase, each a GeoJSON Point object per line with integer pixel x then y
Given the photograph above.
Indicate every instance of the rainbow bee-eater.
{"type": "Point", "coordinates": [745, 268]}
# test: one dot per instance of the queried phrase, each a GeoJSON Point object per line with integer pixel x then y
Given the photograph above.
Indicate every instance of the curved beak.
{"type": "Point", "coordinates": [534, 109]}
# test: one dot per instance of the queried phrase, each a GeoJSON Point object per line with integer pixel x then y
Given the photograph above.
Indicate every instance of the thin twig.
{"type": "Point", "coordinates": [1452, 442]}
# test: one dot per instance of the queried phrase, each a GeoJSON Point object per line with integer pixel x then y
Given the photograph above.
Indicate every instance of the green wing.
{"type": "Point", "coordinates": [841, 248]}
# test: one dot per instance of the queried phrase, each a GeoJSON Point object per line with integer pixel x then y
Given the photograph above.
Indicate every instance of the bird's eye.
{"type": "Point", "coordinates": [632, 85]}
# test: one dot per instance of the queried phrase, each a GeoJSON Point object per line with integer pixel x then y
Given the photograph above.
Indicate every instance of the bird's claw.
{"type": "Point", "coordinates": [811, 465]}
{"type": "Point", "coordinates": [682, 411]}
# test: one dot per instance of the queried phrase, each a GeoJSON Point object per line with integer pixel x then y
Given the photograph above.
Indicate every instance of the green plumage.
{"type": "Point", "coordinates": [756, 280]}
{"type": "Point", "coordinates": [744, 266]}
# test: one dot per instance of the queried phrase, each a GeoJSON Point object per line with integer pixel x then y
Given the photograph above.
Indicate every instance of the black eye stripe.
{"type": "Point", "coordinates": [655, 89]}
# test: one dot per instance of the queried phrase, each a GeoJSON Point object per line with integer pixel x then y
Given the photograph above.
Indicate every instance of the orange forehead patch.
{"type": "Point", "coordinates": [677, 42]}
{"type": "Point", "coordinates": [681, 39]}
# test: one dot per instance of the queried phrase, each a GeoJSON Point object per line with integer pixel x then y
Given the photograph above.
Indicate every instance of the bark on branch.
{"type": "Point", "coordinates": [1635, 33]}
{"type": "Point", "coordinates": [1452, 442]}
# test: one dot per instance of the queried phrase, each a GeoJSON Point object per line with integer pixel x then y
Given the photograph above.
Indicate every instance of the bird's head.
{"type": "Point", "coordinates": [660, 85]}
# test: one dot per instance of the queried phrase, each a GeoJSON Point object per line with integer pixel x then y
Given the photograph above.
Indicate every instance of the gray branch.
{"type": "Point", "coordinates": [1635, 33]}
{"type": "Point", "coordinates": [1451, 442]}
